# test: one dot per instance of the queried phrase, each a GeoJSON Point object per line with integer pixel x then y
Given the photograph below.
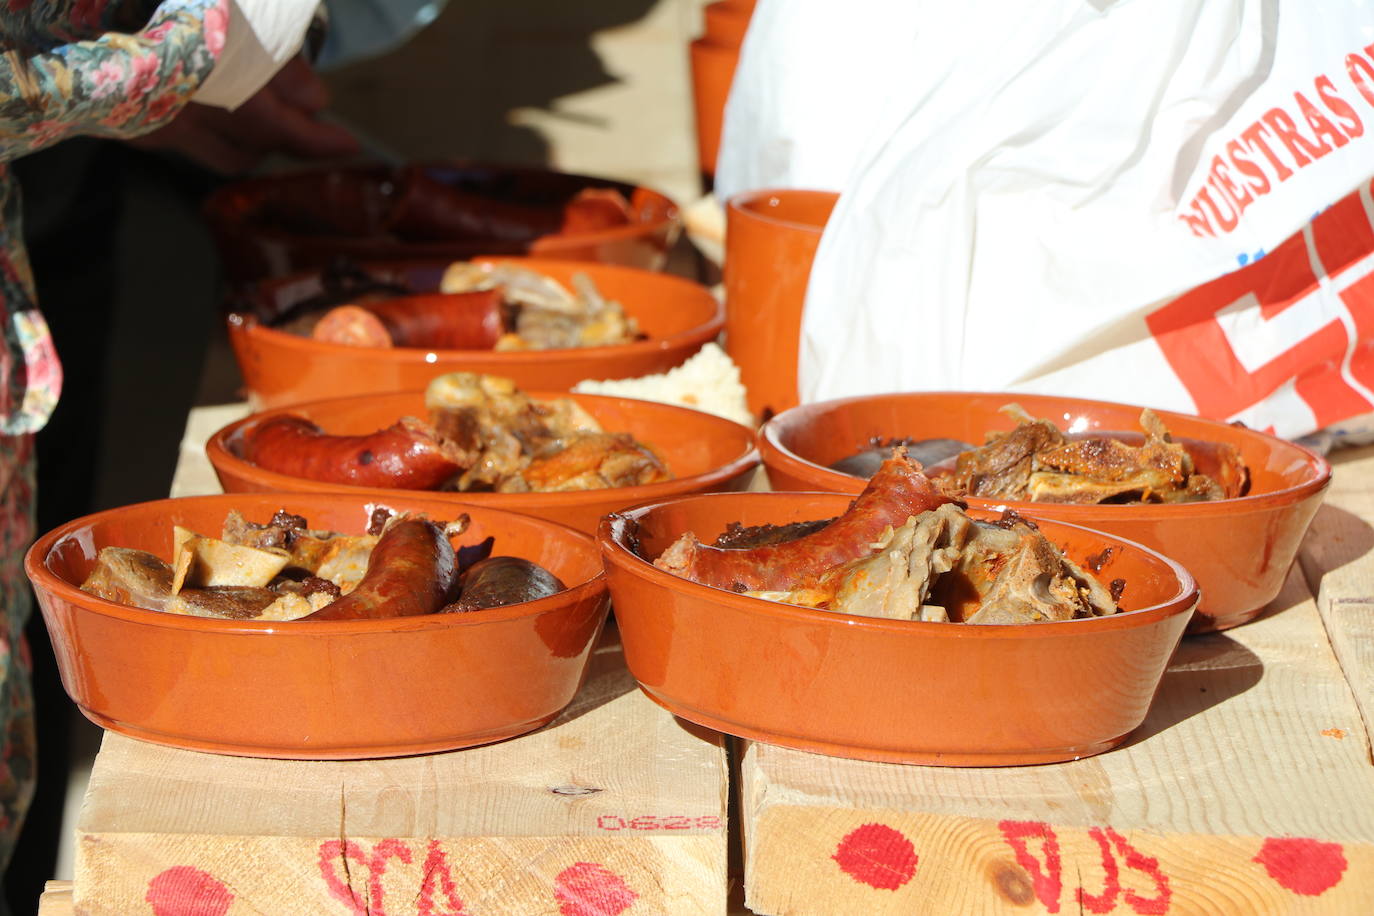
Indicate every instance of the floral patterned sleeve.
{"type": "Point", "coordinates": [116, 85]}
{"type": "Point", "coordinates": [28, 26]}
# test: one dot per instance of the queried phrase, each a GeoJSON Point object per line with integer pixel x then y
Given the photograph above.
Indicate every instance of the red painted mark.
{"type": "Point", "coordinates": [1304, 866]}
{"type": "Point", "coordinates": [437, 868]}
{"type": "Point", "coordinates": [588, 889]}
{"type": "Point", "coordinates": [186, 891]}
{"type": "Point", "coordinates": [659, 822]}
{"type": "Point", "coordinates": [1104, 902]}
{"type": "Point", "coordinates": [1146, 865]}
{"type": "Point", "coordinates": [386, 849]}
{"type": "Point", "coordinates": [878, 856]}
{"type": "Point", "coordinates": [1047, 884]}
{"type": "Point", "coordinates": [330, 850]}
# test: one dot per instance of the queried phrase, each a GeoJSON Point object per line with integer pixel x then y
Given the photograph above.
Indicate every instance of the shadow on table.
{"type": "Point", "coordinates": [1205, 672]}
{"type": "Point", "coordinates": [1336, 539]}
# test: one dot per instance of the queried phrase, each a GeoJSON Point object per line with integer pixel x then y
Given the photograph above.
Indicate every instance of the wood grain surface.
{"type": "Point", "coordinates": [615, 807]}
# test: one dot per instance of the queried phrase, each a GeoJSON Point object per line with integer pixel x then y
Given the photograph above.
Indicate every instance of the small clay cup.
{"type": "Point", "coordinates": [1239, 550]}
{"type": "Point", "coordinates": [713, 70]}
{"type": "Point", "coordinates": [897, 691]}
{"type": "Point", "coordinates": [770, 242]}
{"type": "Point", "coordinates": [317, 689]}
{"type": "Point", "coordinates": [725, 22]}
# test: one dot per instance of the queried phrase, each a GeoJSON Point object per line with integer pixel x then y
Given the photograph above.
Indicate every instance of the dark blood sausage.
{"type": "Point", "coordinates": [428, 209]}
{"type": "Point", "coordinates": [499, 581]}
{"type": "Point", "coordinates": [442, 321]}
{"type": "Point", "coordinates": [411, 571]}
{"type": "Point", "coordinates": [897, 491]}
{"type": "Point", "coordinates": [404, 455]}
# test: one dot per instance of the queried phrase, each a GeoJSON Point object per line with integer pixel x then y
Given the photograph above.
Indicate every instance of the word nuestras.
{"type": "Point", "coordinates": [1283, 140]}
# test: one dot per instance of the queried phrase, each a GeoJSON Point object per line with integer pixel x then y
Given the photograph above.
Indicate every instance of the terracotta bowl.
{"type": "Point", "coordinates": [770, 241]}
{"type": "Point", "coordinates": [1238, 549]}
{"type": "Point", "coordinates": [713, 70]}
{"type": "Point", "coordinates": [317, 690]}
{"type": "Point", "coordinates": [889, 690]}
{"type": "Point", "coordinates": [703, 451]}
{"type": "Point", "coordinates": [287, 222]}
{"type": "Point", "coordinates": [280, 368]}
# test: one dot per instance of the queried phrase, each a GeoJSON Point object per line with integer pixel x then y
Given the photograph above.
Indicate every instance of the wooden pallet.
{"type": "Point", "coordinates": [616, 806]}
{"type": "Point", "coordinates": [1249, 789]}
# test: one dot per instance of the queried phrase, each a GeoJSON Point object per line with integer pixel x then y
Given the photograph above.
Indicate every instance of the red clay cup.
{"type": "Point", "coordinates": [770, 242]}
{"type": "Point", "coordinates": [713, 70]}
{"type": "Point", "coordinates": [726, 22]}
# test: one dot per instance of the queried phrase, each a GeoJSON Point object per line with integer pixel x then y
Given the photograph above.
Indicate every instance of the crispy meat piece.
{"type": "Point", "coordinates": [1036, 462]}
{"type": "Point", "coordinates": [741, 537]}
{"type": "Point", "coordinates": [944, 566]}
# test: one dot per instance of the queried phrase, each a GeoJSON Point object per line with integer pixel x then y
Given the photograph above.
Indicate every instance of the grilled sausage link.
{"type": "Point", "coordinates": [442, 321]}
{"type": "Point", "coordinates": [411, 572]}
{"type": "Point", "coordinates": [405, 455]}
{"type": "Point", "coordinates": [897, 491]}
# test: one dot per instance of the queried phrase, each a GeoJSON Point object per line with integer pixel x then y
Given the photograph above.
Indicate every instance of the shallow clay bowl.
{"type": "Point", "coordinates": [317, 689]}
{"type": "Point", "coordinates": [897, 691]}
{"type": "Point", "coordinates": [278, 368]}
{"type": "Point", "coordinates": [704, 452]}
{"type": "Point", "coordinates": [291, 221]}
{"type": "Point", "coordinates": [1239, 550]}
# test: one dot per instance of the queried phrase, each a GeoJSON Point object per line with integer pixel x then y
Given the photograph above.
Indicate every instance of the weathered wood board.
{"type": "Point", "coordinates": [1337, 559]}
{"type": "Point", "coordinates": [56, 899]}
{"type": "Point", "coordinates": [616, 807]}
{"type": "Point", "coordinates": [1248, 790]}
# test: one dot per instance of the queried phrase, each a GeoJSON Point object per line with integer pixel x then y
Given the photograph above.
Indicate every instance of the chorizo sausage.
{"type": "Point", "coordinates": [499, 581]}
{"type": "Point", "coordinates": [897, 491]}
{"type": "Point", "coordinates": [405, 455]}
{"type": "Point", "coordinates": [411, 572]}
{"type": "Point", "coordinates": [443, 321]}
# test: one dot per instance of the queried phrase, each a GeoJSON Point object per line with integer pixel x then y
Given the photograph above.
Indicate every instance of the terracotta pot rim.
{"type": "Point", "coordinates": [739, 203]}
{"type": "Point", "coordinates": [1317, 479]}
{"type": "Point", "coordinates": [217, 202]}
{"type": "Point", "coordinates": [222, 455]}
{"type": "Point", "coordinates": [703, 332]}
{"type": "Point", "coordinates": [616, 526]}
{"type": "Point", "coordinates": [36, 568]}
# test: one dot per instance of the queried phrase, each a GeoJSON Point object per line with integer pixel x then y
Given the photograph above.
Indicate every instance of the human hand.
{"type": "Point", "coordinates": [281, 118]}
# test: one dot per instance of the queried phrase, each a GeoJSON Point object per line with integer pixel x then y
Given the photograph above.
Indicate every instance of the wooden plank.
{"type": "Point", "coordinates": [194, 474]}
{"type": "Point", "coordinates": [1336, 559]}
{"type": "Point", "coordinates": [56, 899]}
{"type": "Point", "coordinates": [1247, 790]}
{"type": "Point", "coordinates": [615, 807]}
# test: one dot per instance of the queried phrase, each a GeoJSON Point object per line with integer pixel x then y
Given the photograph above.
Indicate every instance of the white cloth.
{"type": "Point", "coordinates": [263, 35]}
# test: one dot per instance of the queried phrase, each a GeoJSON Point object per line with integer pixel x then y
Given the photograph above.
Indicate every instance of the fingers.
{"type": "Point", "coordinates": [199, 133]}
{"type": "Point", "coordinates": [297, 84]}
{"type": "Point", "coordinates": [272, 122]}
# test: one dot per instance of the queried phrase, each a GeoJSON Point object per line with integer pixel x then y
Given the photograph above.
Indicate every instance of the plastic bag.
{"type": "Point", "coordinates": [1164, 203]}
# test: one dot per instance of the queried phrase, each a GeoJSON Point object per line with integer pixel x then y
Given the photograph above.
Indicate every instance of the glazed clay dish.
{"type": "Point", "coordinates": [702, 452]}
{"type": "Point", "coordinates": [675, 316]}
{"type": "Point", "coordinates": [292, 221]}
{"type": "Point", "coordinates": [898, 691]}
{"type": "Point", "coordinates": [317, 689]}
{"type": "Point", "coordinates": [1238, 549]}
